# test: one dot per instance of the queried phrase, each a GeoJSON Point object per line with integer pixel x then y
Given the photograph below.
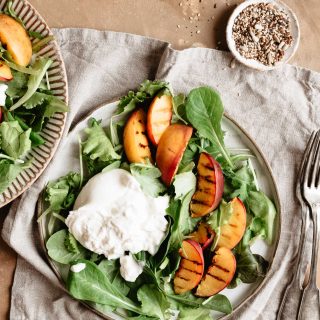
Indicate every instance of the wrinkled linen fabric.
{"type": "Point", "coordinates": [278, 109]}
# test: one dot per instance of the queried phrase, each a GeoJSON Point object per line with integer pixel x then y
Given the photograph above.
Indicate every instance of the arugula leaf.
{"type": "Point", "coordinates": [153, 301]}
{"type": "Point", "coordinates": [111, 268]}
{"type": "Point", "coordinates": [148, 89]}
{"type": "Point", "coordinates": [36, 139]}
{"type": "Point", "coordinates": [41, 66]}
{"type": "Point", "coordinates": [179, 109]}
{"type": "Point", "coordinates": [9, 171]}
{"type": "Point", "coordinates": [14, 141]}
{"type": "Point", "coordinates": [204, 111]}
{"type": "Point", "coordinates": [61, 194]}
{"type": "Point", "coordinates": [183, 223]}
{"type": "Point", "coordinates": [92, 284]}
{"type": "Point", "coordinates": [98, 146]}
{"type": "Point", "coordinates": [17, 86]}
{"type": "Point", "coordinates": [40, 44]}
{"type": "Point", "coordinates": [148, 176]}
{"type": "Point", "coordinates": [71, 243]}
{"type": "Point", "coordinates": [60, 252]}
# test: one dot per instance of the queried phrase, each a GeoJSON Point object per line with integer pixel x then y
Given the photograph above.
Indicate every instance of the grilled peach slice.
{"type": "Point", "coordinates": [210, 185]}
{"type": "Point", "coordinates": [16, 40]}
{"type": "Point", "coordinates": [135, 141]}
{"type": "Point", "coordinates": [191, 267]}
{"type": "Point", "coordinates": [159, 117]}
{"type": "Point", "coordinates": [5, 72]}
{"type": "Point", "coordinates": [219, 274]}
{"type": "Point", "coordinates": [203, 235]}
{"type": "Point", "coordinates": [170, 150]}
{"type": "Point", "coordinates": [233, 231]}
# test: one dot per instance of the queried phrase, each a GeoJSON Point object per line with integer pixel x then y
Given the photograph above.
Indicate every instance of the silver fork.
{"type": "Point", "coordinates": [296, 279]}
{"type": "Point", "coordinates": [311, 196]}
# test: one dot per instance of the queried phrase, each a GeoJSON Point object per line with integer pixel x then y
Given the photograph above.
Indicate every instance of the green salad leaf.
{"type": "Point", "coordinates": [111, 268]}
{"type": "Point", "coordinates": [61, 250]}
{"type": "Point", "coordinates": [9, 170]}
{"type": "Point", "coordinates": [153, 301]}
{"type": "Point", "coordinates": [250, 267]}
{"type": "Point", "coordinates": [41, 66]}
{"type": "Point", "coordinates": [148, 176]}
{"type": "Point", "coordinates": [264, 210]}
{"type": "Point", "coordinates": [204, 111]}
{"type": "Point", "coordinates": [148, 90]}
{"type": "Point", "coordinates": [184, 183]}
{"type": "Point", "coordinates": [17, 86]}
{"type": "Point", "coordinates": [97, 148]}
{"type": "Point", "coordinates": [15, 142]}
{"type": "Point", "coordinates": [194, 314]}
{"type": "Point", "coordinates": [218, 302]}
{"type": "Point", "coordinates": [91, 284]}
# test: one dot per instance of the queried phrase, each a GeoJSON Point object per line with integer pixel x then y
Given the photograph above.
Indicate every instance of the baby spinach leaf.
{"type": "Point", "coordinates": [58, 251]}
{"type": "Point", "coordinates": [184, 183]}
{"type": "Point", "coordinates": [194, 314]}
{"type": "Point", "coordinates": [14, 141]}
{"type": "Point", "coordinates": [153, 301]}
{"type": "Point", "coordinates": [41, 66]}
{"type": "Point", "coordinates": [217, 302]}
{"type": "Point", "coordinates": [92, 284]}
{"type": "Point", "coordinates": [148, 176]}
{"type": "Point", "coordinates": [204, 111]}
{"type": "Point", "coordinates": [250, 267]}
{"type": "Point", "coordinates": [262, 207]}
{"type": "Point", "coordinates": [111, 268]}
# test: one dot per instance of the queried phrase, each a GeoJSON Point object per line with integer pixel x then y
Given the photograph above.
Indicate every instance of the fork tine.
{"type": "Point", "coordinates": [305, 156]}
{"type": "Point", "coordinates": [310, 159]}
{"type": "Point", "coordinates": [315, 162]}
{"type": "Point", "coordinates": [315, 173]}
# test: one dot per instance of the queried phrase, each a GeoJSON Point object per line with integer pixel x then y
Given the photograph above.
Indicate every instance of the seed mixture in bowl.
{"type": "Point", "coordinates": [262, 32]}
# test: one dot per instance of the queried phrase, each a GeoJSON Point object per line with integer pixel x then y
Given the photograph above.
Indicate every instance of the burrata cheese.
{"type": "Point", "coordinates": [113, 216]}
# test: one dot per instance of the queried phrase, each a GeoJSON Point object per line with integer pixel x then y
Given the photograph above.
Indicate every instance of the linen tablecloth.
{"type": "Point", "coordinates": [279, 109]}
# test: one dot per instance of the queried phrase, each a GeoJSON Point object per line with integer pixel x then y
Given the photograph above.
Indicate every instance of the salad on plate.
{"type": "Point", "coordinates": [162, 216]}
{"type": "Point", "coordinates": [26, 99]}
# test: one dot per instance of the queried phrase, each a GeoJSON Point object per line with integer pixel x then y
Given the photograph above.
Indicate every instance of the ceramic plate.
{"type": "Point", "coordinates": [236, 137]}
{"type": "Point", "coordinates": [52, 132]}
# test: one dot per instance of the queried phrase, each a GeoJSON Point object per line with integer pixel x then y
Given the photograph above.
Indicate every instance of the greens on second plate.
{"type": "Point", "coordinates": [152, 295]}
{"type": "Point", "coordinates": [29, 102]}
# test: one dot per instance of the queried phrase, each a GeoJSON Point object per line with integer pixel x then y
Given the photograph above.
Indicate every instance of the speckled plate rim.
{"type": "Point", "coordinates": [54, 129]}
{"type": "Point", "coordinates": [276, 200]}
{"type": "Point", "coordinates": [295, 28]}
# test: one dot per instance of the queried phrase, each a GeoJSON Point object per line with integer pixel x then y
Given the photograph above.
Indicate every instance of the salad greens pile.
{"type": "Point", "coordinates": [151, 296]}
{"type": "Point", "coordinates": [29, 103]}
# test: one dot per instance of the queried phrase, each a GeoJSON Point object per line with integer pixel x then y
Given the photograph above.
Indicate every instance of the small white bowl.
{"type": "Point", "coordinates": [289, 53]}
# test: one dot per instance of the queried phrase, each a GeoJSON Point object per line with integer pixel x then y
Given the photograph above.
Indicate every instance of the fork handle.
{"type": "Point", "coordinates": [296, 278]}
{"type": "Point", "coordinates": [312, 283]}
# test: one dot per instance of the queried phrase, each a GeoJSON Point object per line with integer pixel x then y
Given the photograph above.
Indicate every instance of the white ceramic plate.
{"type": "Point", "coordinates": [52, 132]}
{"type": "Point", "coordinates": [68, 160]}
{"type": "Point", "coordinates": [295, 31]}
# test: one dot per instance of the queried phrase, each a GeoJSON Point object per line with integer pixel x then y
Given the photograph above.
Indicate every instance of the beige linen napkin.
{"type": "Point", "coordinates": [278, 109]}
